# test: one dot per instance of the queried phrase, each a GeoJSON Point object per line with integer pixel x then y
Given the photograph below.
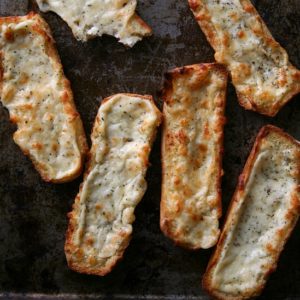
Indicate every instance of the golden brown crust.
{"type": "Point", "coordinates": [147, 97]}
{"type": "Point", "coordinates": [42, 29]}
{"type": "Point", "coordinates": [286, 76]}
{"type": "Point", "coordinates": [144, 29]}
{"type": "Point", "coordinates": [183, 84]}
{"type": "Point", "coordinates": [76, 263]}
{"type": "Point", "coordinates": [292, 215]}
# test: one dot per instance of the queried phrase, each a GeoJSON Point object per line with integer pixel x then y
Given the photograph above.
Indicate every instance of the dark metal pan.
{"type": "Point", "coordinates": [33, 213]}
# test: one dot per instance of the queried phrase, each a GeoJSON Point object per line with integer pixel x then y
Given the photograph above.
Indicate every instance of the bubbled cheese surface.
{"type": "Point", "coordinates": [90, 18]}
{"type": "Point", "coordinates": [263, 214]}
{"type": "Point", "coordinates": [192, 142]}
{"type": "Point", "coordinates": [39, 100]}
{"type": "Point", "coordinates": [114, 183]}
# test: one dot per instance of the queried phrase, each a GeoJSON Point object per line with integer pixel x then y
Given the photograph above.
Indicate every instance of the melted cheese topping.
{"type": "Point", "coordinates": [115, 183]}
{"type": "Point", "coordinates": [35, 93]}
{"type": "Point", "coordinates": [261, 72]}
{"type": "Point", "coordinates": [260, 221]}
{"type": "Point", "coordinates": [192, 143]}
{"type": "Point", "coordinates": [90, 18]}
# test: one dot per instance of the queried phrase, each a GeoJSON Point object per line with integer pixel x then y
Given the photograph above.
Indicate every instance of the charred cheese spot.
{"type": "Point", "coordinates": [204, 104]}
{"type": "Point", "coordinates": [9, 35]}
{"type": "Point", "coordinates": [184, 122]}
{"type": "Point", "coordinates": [92, 260]}
{"type": "Point", "coordinates": [23, 78]}
{"type": "Point", "coordinates": [234, 16]}
{"type": "Point", "coordinates": [37, 146]}
{"type": "Point", "coordinates": [248, 7]}
{"type": "Point", "coordinates": [241, 34]}
{"type": "Point", "coordinates": [194, 4]}
{"type": "Point", "coordinates": [89, 241]}
{"type": "Point", "coordinates": [226, 40]}
{"type": "Point", "coordinates": [14, 119]}
{"type": "Point", "coordinates": [8, 93]}
{"type": "Point", "coordinates": [55, 147]}
{"type": "Point", "coordinates": [203, 148]}
{"type": "Point", "coordinates": [177, 180]}
{"type": "Point", "coordinates": [270, 248]}
{"type": "Point", "coordinates": [206, 133]}
{"type": "Point", "coordinates": [98, 207]}
{"type": "Point", "coordinates": [79, 254]}
{"type": "Point", "coordinates": [203, 17]}
{"type": "Point", "coordinates": [26, 106]}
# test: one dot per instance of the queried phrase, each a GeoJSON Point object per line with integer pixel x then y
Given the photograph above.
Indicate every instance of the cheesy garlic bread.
{"type": "Point", "coordinates": [192, 143]}
{"type": "Point", "coordinates": [264, 78]}
{"type": "Point", "coordinates": [100, 224]}
{"type": "Point", "coordinates": [261, 217]}
{"type": "Point", "coordinates": [39, 99]}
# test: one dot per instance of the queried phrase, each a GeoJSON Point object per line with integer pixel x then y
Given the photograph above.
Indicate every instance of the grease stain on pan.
{"type": "Point", "coordinates": [170, 15]}
{"type": "Point", "coordinates": [13, 8]}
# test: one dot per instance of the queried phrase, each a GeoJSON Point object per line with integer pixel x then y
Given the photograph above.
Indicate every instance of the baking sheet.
{"type": "Point", "coordinates": [33, 213]}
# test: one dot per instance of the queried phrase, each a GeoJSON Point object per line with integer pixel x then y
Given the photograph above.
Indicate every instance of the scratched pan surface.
{"type": "Point", "coordinates": [33, 213]}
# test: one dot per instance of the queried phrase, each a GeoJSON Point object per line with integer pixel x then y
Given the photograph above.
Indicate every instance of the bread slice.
{"type": "Point", "coordinates": [192, 143]}
{"type": "Point", "coordinates": [260, 69]}
{"type": "Point", "coordinates": [39, 99]}
{"type": "Point", "coordinates": [100, 224]}
{"type": "Point", "coordinates": [91, 18]}
{"type": "Point", "coordinates": [262, 215]}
